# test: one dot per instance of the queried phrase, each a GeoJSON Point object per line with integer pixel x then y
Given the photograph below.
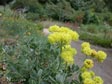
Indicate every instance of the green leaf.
{"type": "Point", "coordinates": [44, 82]}
{"type": "Point", "coordinates": [33, 74]}
{"type": "Point", "coordinates": [75, 82]}
{"type": "Point", "coordinates": [39, 74]}
{"type": "Point", "coordinates": [80, 78]}
{"type": "Point", "coordinates": [32, 81]}
{"type": "Point", "coordinates": [52, 79]}
{"type": "Point", "coordinates": [73, 68]}
{"type": "Point", "coordinates": [61, 77]}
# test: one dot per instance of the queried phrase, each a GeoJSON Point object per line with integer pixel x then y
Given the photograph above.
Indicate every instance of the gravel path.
{"type": "Point", "coordinates": [102, 69]}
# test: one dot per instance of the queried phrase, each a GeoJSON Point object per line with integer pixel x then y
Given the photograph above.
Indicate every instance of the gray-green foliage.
{"type": "Point", "coordinates": [35, 61]}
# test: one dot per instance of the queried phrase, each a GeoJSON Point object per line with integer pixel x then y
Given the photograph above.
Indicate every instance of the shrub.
{"type": "Point", "coordinates": [96, 39]}
{"type": "Point", "coordinates": [14, 26]}
{"type": "Point", "coordinates": [61, 11]}
{"type": "Point", "coordinates": [41, 60]}
{"type": "Point", "coordinates": [90, 17]}
{"type": "Point", "coordinates": [105, 17]}
{"type": "Point", "coordinates": [79, 16]}
{"type": "Point", "coordinates": [32, 16]}
{"type": "Point", "coordinates": [7, 12]}
{"type": "Point", "coordinates": [102, 29]}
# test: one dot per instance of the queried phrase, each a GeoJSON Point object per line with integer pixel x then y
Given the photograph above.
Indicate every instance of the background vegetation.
{"type": "Point", "coordinates": [93, 17]}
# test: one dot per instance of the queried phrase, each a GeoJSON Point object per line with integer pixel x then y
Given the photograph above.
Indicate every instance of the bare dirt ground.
{"type": "Point", "coordinates": [101, 69]}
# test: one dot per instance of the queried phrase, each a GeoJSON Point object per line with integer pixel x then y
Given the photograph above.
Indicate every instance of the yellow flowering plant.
{"type": "Point", "coordinates": [88, 64]}
{"type": "Point", "coordinates": [63, 36]}
{"type": "Point", "coordinates": [67, 53]}
{"type": "Point", "coordinates": [41, 60]}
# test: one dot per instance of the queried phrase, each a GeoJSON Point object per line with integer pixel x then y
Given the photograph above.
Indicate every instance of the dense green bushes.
{"type": "Point", "coordinates": [64, 10]}
{"type": "Point", "coordinates": [97, 34]}
{"type": "Point", "coordinates": [97, 40]}
{"type": "Point", "coordinates": [96, 29]}
{"type": "Point", "coordinates": [13, 26]}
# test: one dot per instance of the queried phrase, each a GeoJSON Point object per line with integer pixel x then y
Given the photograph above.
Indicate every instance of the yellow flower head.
{"type": "Point", "coordinates": [68, 58]}
{"type": "Point", "coordinates": [59, 37]}
{"type": "Point", "coordinates": [88, 63]}
{"type": "Point", "coordinates": [70, 49]}
{"type": "Point", "coordinates": [88, 81]}
{"type": "Point", "coordinates": [98, 80]}
{"type": "Point", "coordinates": [74, 35]}
{"type": "Point", "coordinates": [85, 44]}
{"type": "Point", "coordinates": [86, 74]}
{"type": "Point", "coordinates": [93, 53]}
{"type": "Point", "coordinates": [66, 47]}
{"type": "Point", "coordinates": [62, 34]}
{"type": "Point", "coordinates": [101, 56]}
{"type": "Point", "coordinates": [53, 38]}
{"type": "Point", "coordinates": [83, 69]}
{"type": "Point", "coordinates": [66, 53]}
{"type": "Point", "coordinates": [92, 73]}
{"type": "Point", "coordinates": [54, 28]}
{"type": "Point", "coordinates": [64, 29]}
{"type": "Point", "coordinates": [87, 51]}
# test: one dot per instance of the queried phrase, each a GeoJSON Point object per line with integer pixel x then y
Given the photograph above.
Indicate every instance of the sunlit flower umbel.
{"type": "Point", "coordinates": [85, 44]}
{"type": "Point", "coordinates": [86, 74]}
{"type": "Point", "coordinates": [87, 51]}
{"type": "Point", "coordinates": [88, 63]}
{"type": "Point", "coordinates": [88, 81]}
{"type": "Point", "coordinates": [101, 56]}
{"type": "Point", "coordinates": [62, 34]}
{"type": "Point", "coordinates": [98, 80]}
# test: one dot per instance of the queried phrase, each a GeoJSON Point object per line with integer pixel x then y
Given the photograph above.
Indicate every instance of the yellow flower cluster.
{"type": "Point", "coordinates": [85, 44]}
{"type": "Point", "coordinates": [68, 53]}
{"type": "Point", "coordinates": [64, 36]}
{"type": "Point", "coordinates": [70, 49]}
{"type": "Point", "coordinates": [92, 73]}
{"type": "Point", "coordinates": [86, 74]}
{"type": "Point", "coordinates": [88, 63]}
{"type": "Point", "coordinates": [101, 56]}
{"type": "Point", "coordinates": [98, 80]}
{"type": "Point", "coordinates": [88, 81]}
{"type": "Point", "coordinates": [54, 28]}
{"type": "Point", "coordinates": [58, 37]}
{"type": "Point", "coordinates": [93, 53]}
{"type": "Point", "coordinates": [68, 58]}
{"type": "Point", "coordinates": [90, 78]}
{"type": "Point", "coordinates": [86, 49]}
